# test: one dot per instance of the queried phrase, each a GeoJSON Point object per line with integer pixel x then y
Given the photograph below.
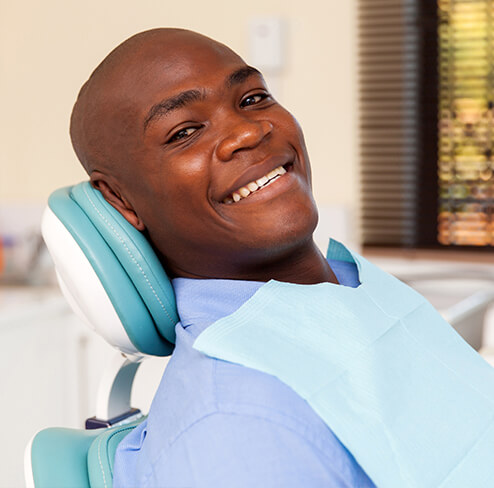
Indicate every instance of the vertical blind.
{"type": "Point", "coordinates": [389, 139]}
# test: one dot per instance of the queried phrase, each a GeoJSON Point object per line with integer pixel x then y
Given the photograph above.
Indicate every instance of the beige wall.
{"type": "Point", "coordinates": [48, 49]}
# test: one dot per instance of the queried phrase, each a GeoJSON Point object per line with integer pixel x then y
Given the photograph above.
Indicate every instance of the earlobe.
{"type": "Point", "coordinates": [117, 201]}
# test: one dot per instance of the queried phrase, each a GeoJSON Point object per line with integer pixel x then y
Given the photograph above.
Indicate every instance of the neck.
{"type": "Point", "coordinates": [304, 265]}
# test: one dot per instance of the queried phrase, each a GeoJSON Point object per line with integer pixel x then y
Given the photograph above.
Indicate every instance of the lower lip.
{"type": "Point", "coordinates": [271, 190]}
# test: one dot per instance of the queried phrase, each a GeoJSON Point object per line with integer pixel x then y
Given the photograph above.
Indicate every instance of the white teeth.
{"type": "Point", "coordinates": [272, 174]}
{"type": "Point", "coordinates": [251, 187]}
{"type": "Point", "coordinates": [262, 181]}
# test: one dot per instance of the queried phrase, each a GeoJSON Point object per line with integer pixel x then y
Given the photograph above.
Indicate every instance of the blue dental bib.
{"type": "Point", "coordinates": [403, 392]}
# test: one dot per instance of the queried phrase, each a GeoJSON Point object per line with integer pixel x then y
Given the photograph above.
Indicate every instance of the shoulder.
{"type": "Point", "coordinates": [195, 386]}
{"type": "Point", "coordinates": [241, 390]}
{"type": "Point", "coordinates": [206, 411]}
{"type": "Point", "coordinates": [242, 450]}
{"type": "Point", "coordinates": [231, 408]}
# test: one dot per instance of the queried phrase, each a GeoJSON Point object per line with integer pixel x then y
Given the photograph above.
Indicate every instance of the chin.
{"type": "Point", "coordinates": [297, 231]}
{"type": "Point", "coordinates": [286, 231]}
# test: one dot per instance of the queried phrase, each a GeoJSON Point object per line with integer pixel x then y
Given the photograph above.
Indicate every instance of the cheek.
{"type": "Point", "coordinates": [178, 197]}
{"type": "Point", "coordinates": [299, 135]}
{"type": "Point", "coordinates": [295, 136]}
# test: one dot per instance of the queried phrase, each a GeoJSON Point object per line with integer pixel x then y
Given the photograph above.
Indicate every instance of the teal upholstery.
{"type": "Point", "coordinates": [126, 265]}
{"type": "Point", "coordinates": [142, 296]}
{"type": "Point", "coordinates": [102, 454]}
{"type": "Point", "coordinates": [71, 458]}
{"type": "Point", "coordinates": [59, 458]}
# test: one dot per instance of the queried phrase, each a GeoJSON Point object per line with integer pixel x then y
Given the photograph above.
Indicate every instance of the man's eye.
{"type": "Point", "coordinates": [182, 134]}
{"type": "Point", "coordinates": [253, 99]}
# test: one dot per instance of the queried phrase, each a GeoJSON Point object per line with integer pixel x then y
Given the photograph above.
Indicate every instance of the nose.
{"type": "Point", "coordinates": [245, 134]}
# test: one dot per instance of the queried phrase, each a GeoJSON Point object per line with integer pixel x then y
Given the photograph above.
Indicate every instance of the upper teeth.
{"type": "Point", "coordinates": [251, 187]}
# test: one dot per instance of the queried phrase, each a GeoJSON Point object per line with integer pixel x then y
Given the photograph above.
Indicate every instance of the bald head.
{"type": "Point", "coordinates": [106, 122]}
{"type": "Point", "coordinates": [186, 142]}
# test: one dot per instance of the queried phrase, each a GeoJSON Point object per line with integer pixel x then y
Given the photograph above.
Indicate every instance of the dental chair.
{"type": "Point", "coordinates": [113, 280]}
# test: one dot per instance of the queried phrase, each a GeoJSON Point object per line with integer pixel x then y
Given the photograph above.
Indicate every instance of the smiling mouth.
{"type": "Point", "coordinates": [256, 185]}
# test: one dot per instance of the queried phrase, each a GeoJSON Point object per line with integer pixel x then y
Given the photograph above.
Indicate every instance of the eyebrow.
{"type": "Point", "coordinates": [240, 75]}
{"type": "Point", "coordinates": [168, 105]}
{"type": "Point", "coordinates": [173, 103]}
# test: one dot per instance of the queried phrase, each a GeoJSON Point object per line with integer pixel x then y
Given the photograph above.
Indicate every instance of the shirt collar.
{"type": "Point", "coordinates": [202, 302]}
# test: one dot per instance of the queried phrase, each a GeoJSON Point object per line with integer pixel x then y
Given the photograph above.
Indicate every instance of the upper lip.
{"type": "Point", "coordinates": [256, 171]}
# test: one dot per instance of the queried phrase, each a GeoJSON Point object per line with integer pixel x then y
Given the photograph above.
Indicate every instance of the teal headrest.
{"type": "Point", "coordinates": [126, 265]}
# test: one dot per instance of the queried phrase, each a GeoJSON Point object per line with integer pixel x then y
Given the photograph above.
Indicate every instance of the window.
{"type": "Point", "coordinates": [426, 123]}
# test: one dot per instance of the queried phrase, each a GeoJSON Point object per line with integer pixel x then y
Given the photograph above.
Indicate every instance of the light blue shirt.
{"type": "Point", "coordinates": [215, 424]}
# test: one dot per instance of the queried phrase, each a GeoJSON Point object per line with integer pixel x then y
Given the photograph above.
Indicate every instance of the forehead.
{"type": "Point", "coordinates": [162, 68]}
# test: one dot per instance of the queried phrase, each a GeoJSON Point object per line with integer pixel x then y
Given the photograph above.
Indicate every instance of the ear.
{"type": "Point", "coordinates": [113, 196]}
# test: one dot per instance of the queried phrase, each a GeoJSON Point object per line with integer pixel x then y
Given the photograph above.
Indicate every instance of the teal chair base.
{"type": "Point", "coordinates": [60, 457]}
{"type": "Point", "coordinates": [72, 458]}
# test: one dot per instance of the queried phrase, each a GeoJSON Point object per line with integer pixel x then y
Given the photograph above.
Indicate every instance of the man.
{"type": "Point", "coordinates": [186, 142]}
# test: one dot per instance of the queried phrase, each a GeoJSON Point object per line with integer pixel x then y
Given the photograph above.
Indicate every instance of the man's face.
{"type": "Point", "coordinates": [220, 176]}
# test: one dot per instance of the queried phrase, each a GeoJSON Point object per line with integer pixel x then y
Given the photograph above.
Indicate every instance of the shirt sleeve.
{"type": "Point", "coordinates": [240, 451]}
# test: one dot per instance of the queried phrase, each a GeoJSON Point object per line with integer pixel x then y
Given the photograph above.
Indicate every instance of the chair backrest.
{"type": "Point", "coordinates": [109, 272]}
{"type": "Point", "coordinates": [114, 281]}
